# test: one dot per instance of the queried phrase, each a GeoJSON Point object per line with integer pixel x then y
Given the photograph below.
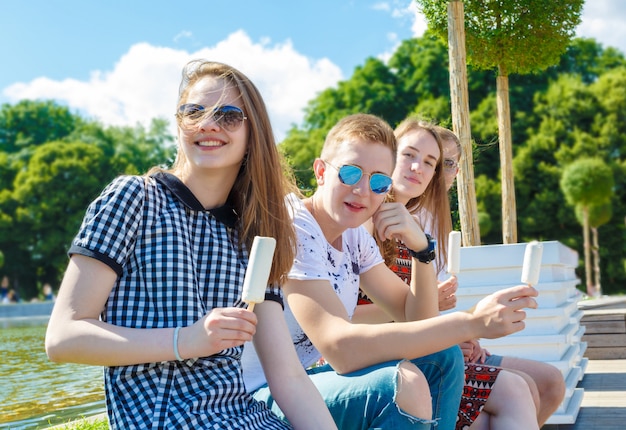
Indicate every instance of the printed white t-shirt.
{"type": "Point", "coordinates": [316, 259]}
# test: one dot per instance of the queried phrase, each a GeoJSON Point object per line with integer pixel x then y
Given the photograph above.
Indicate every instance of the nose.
{"type": "Point", "coordinates": [362, 188]}
{"type": "Point", "coordinates": [208, 122]}
{"type": "Point", "coordinates": [415, 166]}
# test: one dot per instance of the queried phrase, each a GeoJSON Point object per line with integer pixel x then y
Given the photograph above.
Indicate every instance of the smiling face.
{"type": "Point", "coordinates": [418, 154]}
{"type": "Point", "coordinates": [349, 206]}
{"type": "Point", "coordinates": [204, 144]}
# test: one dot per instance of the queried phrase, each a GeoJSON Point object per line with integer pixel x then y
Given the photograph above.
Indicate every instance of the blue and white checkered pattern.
{"type": "Point", "coordinates": [175, 262]}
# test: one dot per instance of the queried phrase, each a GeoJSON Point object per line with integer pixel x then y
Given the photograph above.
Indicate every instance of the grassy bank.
{"type": "Point", "coordinates": [97, 422]}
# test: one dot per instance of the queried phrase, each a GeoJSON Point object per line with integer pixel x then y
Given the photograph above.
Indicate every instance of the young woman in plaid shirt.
{"type": "Point", "coordinates": [153, 287]}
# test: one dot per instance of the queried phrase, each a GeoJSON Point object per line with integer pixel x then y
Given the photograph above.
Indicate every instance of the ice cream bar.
{"type": "Point", "coordinates": [454, 252]}
{"type": "Point", "coordinates": [532, 263]}
{"type": "Point", "coordinates": [258, 271]}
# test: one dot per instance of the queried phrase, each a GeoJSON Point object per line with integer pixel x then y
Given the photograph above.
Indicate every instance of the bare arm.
{"type": "Point", "coordinates": [394, 221]}
{"type": "Point", "coordinates": [373, 314]}
{"type": "Point", "coordinates": [348, 347]}
{"type": "Point", "coordinates": [370, 314]}
{"type": "Point", "coordinates": [75, 333]}
{"type": "Point", "coordinates": [289, 384]}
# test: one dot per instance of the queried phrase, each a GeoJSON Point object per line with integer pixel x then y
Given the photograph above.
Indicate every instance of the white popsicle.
{"type": "Point", "coordinates": [454, 252]}
{"type": "Point", "coordinates": [532, 263]}
{"type": "Point", "coordinates": [258, 271]}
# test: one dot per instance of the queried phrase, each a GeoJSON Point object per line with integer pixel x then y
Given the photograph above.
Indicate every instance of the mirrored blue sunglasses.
{"type": "Point", "coordinates": [227, 117]}
{"type": "Point", "coordinates": [350, 174]}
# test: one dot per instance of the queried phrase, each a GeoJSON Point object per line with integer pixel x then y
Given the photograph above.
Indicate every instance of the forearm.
{"type": "Point", "coordinates": [289, 383]}
{"type": "Point", "coordinates": [362, 345]}
{"type": "Point", "coordinates": [97, 343]}
{"type": "Point", "coordinates": [423, 299]}
{"type": "Point", "coordinates": [301, 402]}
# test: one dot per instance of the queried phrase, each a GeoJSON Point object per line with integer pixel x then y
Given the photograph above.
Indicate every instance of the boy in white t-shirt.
{"type": "Point", "coordinates": [405, 374]}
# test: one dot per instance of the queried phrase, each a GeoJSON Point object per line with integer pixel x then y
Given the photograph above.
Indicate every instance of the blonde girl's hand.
{"type": "Point", "coordinates": [219, 329]}
{"type": "Point", "coordinates": [467, 348]}
{"type": "Point", "coordinates": [394, 221]}
{"type": "Point", "coordinates": [447, 293]}
{"type": "Point", "coordinates": [476, 355]}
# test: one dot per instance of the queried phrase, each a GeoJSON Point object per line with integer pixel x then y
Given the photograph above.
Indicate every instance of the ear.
{"type": "Point", "coordinates": [319, 167]}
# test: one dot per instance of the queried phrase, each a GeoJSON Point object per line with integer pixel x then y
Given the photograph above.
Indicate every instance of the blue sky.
{"type": "Point", "coordinates": [119, 61]}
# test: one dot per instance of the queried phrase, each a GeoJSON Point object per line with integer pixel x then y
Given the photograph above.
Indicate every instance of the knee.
{"type": "Point", "coordinates": [532, 385]}
{"type": "Point", "coordinates": [413, 393]}
{"type": "Point", "coordinates": [553, 389]}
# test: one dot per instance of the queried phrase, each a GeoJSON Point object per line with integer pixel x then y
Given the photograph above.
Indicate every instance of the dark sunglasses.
{"type": "Point", "coordinates": [350, 174]}
{"type": "Point", "coordinates": [227, 117]}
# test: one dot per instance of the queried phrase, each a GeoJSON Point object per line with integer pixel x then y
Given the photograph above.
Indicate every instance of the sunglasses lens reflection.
{"type": "Point", "coordinates": [351, 175]}
{"type": "Point", "coordinates": [229, 118]}
{"type": "Point", "coordinates": [380, 184]}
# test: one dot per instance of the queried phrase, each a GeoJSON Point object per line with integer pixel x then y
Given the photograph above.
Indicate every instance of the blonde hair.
{"type": "Point", "coordinates": [359, 126]}
{"type": "Point", "coordinates": [434, 200]}
{"type": "Point", "coordinates": [258, 194]}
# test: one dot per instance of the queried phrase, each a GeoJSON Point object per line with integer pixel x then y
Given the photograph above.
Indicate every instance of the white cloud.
{"type": "Point", "coordinates": [603, 20]}
{"type": "Point", "coordinates": [143, 84]}
{"type": "Point", "coordinates": [384, 6]}
{"type": "Point", "coordinates": [185, 34]}
{"type": "Point", "coordinates": [419, 20]}
{"type": "Point", "coordinates": [402, 10]}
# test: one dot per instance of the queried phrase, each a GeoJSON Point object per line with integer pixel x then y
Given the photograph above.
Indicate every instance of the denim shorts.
{"type": "Point", "coordinates": [365, 399]}
{"type": "Point", "coordinates": [493, 360]}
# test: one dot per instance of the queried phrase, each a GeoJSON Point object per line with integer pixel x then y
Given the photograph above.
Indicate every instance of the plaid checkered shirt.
{"type": "Point", "coordinates": [175, 262]}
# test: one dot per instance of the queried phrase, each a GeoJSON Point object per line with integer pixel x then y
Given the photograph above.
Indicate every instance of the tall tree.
{"type": "Point", "coordinates": [598, 216]}
{"type": "Point", "coordinates": [31, 123]}
{"type": "Point", "coordinates": [45, 217]}
{"type": "Point", "coordinates": [504, 35]}
{"type": "Point", "coordinates": [587, 182]}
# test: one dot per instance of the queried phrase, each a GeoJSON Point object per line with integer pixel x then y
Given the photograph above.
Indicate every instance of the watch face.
{"type": "Point", "coordinates": [428, 254]}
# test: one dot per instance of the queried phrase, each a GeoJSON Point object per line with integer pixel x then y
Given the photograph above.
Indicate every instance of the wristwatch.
{"type": "Point", "coordinates": [427, 255]}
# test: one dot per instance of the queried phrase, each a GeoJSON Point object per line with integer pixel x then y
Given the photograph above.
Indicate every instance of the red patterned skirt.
{"type": "Point", "coordinates": [479, 380]}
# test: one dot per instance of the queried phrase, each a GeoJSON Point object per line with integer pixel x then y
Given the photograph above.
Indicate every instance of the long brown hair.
{"type": "Point", "coordinates": [258, 194]}
{"type": "Point", "coordinates": [434, 200]}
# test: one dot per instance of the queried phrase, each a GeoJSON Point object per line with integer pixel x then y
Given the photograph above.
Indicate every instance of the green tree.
{"type": "Point", "coordinates": [587, 182]}
{"type": "Point", "coordinates": [31, 123]}
{"type": "Point", "coordinates": [503, 35]}
{"type": "Point", "coordinates": [420, 66]}
{"type": "Point", "coordinates": [52, 164]}
{"type": "Point", "coordinates": [598, 216]}
{"type": "Point", "coordinates": [571, 110]}
{"type": "Point", "coordinates": [45, 217]}
{"type": "Point", "coordinates": [373, 88]}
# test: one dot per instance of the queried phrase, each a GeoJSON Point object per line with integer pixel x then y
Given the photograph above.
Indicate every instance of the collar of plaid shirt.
{"type": "Point", "coordinates": [225, 214]}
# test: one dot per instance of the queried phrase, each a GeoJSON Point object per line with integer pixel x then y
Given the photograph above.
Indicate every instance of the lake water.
{"type": "Point", "coordinates": [36, 393]}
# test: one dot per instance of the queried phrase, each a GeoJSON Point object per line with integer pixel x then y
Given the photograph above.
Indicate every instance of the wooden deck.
{"type": "Point", "coordinates": [605, 329]}
{"type": "Point", "coordinates": [604, 400]}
